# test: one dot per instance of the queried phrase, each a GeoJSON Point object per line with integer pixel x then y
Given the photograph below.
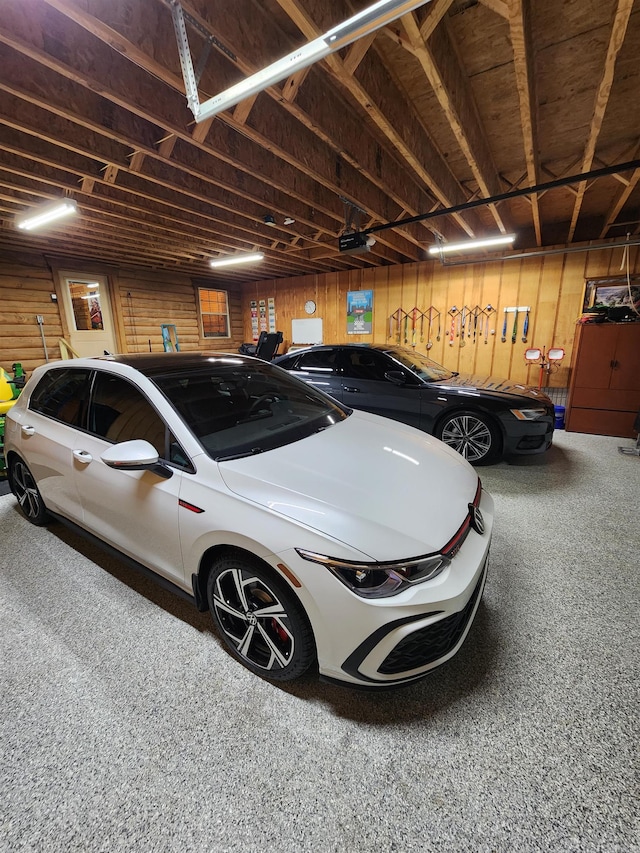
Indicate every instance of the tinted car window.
{"type": "Point", "coordinates": [365, 364]}
{"type": "Point", "coordinates": [120, 412]}
{"type": "Point", "coordinates": [318, 361]}
{"type": "Point", "coordinates": [238, 412]}
{"type": "Point", "coordinates": [62, 394]}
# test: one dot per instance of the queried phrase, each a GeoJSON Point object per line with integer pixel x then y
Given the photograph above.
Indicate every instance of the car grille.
{"type": "Point", "coordinates": [433, 642]}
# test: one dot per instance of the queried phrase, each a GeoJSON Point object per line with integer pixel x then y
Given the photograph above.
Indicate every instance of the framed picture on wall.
{"type": "Point", "coordinates": [613, 293]}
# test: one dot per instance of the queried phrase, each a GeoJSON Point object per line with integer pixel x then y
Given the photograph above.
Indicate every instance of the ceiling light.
{"type": "Point", "coordinates": [289, 221]}
{"type": "Point", "coordinates": [269, 219]}
{"type": "Point", "coordinates": [45, 213]}
{"type": "Point", "coordinates": [367, 21]}
{"type": "Point", "coordinates": [441, 248]}
{"type": "Point", "coordinates": [232, 260]}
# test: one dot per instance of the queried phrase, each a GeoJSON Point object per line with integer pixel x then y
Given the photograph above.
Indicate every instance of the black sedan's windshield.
{"type": "Point", "coordinates": [237, 408]}
{"type": "Point", "coordinates": [425, 368]}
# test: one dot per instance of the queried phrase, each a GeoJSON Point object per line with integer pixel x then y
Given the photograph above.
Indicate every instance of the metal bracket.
{"type": "Point", "coordinates": [186, 63]}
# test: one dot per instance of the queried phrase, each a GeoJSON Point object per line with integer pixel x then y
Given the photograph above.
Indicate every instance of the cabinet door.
{"type": "Point", "coordinates": [596, 353]}
{"type": "Point", "coordinates": [625, 375]}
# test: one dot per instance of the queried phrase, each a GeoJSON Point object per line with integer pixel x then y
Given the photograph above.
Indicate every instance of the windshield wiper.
{"type": "Point", "coordinates": [252, 452]}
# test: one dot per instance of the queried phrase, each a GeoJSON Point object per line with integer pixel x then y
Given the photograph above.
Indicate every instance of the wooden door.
{"type": "Point", "coordinates": [87, 309]}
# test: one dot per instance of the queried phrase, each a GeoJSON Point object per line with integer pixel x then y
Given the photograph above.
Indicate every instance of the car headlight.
{"type": "Point", "coordinates": [379, 580]}
{"type": "Point", "coordinates": [529, 414]}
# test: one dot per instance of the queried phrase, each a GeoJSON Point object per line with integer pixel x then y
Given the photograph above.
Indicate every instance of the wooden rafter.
{"type": "Point", "coordinates": [454, 96]}
{"type": "Point", "coordinates": [520, 30]}
{"type": "Point", "coordinates": [618, 32]}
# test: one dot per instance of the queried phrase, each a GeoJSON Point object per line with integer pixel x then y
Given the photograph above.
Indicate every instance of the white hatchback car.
{"type": "Point", "coordinates": [313, 533]}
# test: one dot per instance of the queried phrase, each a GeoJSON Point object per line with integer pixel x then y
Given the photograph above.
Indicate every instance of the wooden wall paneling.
{"type": "Point", "coordinates": [543, 320]}
{"type": "Point", "coordinates": [530, 277]}
{"type": "Point", "coordinates": [381, 307]}
{"type": "Point", "coordinates": [507, 298]}
{"type": "Point", "coordinates": [485, 349]}
{"type": "Point", "coordinates": [568, 311]}
{"type": "Point", "coordinates": [394, 299]}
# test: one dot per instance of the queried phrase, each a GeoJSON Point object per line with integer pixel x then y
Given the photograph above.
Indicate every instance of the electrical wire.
{"type": "Point", "coordinates": [625, 265]}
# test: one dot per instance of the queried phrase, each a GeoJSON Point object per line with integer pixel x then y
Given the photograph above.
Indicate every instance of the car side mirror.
{"type": "Point", "coordinates": [136, 455]}
{"type": "Point", "coordinates": [396, 376]}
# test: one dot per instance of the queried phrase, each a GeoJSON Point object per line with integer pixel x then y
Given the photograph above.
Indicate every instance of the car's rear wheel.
{"type": "Point", "coordinates": [472, 434]}
{"type": "Point", "coordinates": [259, 618]}
{"type": "Point", "coordinates": [26, 491]}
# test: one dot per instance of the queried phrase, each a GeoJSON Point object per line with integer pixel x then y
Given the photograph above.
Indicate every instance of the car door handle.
{"type": "Point", "coordinates": [350, 389]}
{"type": "Point", "coordinates": [82, 456]}
{"type": "Point", "coordinates": [28, 430]}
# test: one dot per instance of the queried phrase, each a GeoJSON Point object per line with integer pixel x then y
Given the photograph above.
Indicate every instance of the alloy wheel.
{"type": "Point", "coordinates": [26, 492]}
{"type": "Point", "coordinates": [469, 435]}
{"type": "Point", "coordinates": [253, 619]}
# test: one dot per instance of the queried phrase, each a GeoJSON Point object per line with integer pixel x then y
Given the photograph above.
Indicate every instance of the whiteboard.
{"type": "Point", "coordinates": [306, 331]}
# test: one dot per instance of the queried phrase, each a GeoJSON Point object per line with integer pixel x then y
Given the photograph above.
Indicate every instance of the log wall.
{"type": "Point", "coordinates": [141, 301]}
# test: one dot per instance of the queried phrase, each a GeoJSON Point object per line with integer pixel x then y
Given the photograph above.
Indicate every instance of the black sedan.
{"type": "Point", "coordinates": [482, 418]}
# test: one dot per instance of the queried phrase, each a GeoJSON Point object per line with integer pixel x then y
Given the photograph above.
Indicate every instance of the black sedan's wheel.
{"type": "Point", "coordinates": [473, 435]}
{"type": "Point", "coordinates": [260, 620]}
{"type": "Point", "coordinates": [24, 488]}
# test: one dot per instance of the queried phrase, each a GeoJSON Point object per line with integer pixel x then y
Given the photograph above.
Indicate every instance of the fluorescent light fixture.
{"type": "Point", "coordinates": [45, 213]}
{"type": "Point", "coordinates": [441, 248]}
{"type": "Point", "coordinates": [365, 22]}
{"type": "Point", "coordinates": [232, 260]}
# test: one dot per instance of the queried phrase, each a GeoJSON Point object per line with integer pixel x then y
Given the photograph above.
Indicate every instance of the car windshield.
{"type": "Point", "coordinates": [425, 368]}
{"type": "Point", "coordinates": [237, 408]}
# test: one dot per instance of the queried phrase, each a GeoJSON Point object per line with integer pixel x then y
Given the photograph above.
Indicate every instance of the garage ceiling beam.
{"type": "Point", "coordinates": [618, 32]}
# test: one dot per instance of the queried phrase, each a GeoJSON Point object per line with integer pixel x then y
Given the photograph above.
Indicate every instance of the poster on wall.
{"type": "Point", "coordinates": [271, 309]}
{"type": "Point", "coordinates": [254, 320]}
{"type": "Point", "coordinates": [359, 312]}
{"type": "Point", "coordinates": [262, 307]}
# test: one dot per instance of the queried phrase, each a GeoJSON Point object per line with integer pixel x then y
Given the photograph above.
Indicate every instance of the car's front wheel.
{"type": "Point", "coordinates": [26, 491]}
{"type": "Point", "coordinates": [472, 434]}
{"type": "Point", "coordinates": [259, 618]}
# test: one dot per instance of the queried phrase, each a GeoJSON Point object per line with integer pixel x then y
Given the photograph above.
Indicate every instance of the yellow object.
{"type": "Point", "coordinates": [7, 392]}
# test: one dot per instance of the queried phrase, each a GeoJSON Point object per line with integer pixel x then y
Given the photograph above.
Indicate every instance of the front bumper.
{"type": "Point", "coordinates": [391, 641]}
{"type": "Point", "coordinates": [526, 437]}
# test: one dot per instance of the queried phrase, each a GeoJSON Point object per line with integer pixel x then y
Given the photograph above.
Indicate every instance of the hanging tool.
{"type": "Point", "coordinates": [413, 327]}
{"type": "Point", "coordinates": [475, 322]}
{"type": "Point", "coordinates": [438, 335]}
{"type": "Point", "coordinates": [525, 329]}
{"type": "Point", "coordinates": [504, 328]}
{"type": "Point", "coordinates": [452, 330]}
{"type": "Point", "coordinates": [463, 321]}
{"type": "Point", "coordinates": [406, 328]}
{"type": "Point", "coordinates": [429, 341]}
{"type": "Point", "coordinates": [486, 330]}
{"type": "Point", "coordinates": [391, 321]}
{"type": "Point", "coordinates": [514, 334]}
{"type": "Point", "coordinates": [422, 327]}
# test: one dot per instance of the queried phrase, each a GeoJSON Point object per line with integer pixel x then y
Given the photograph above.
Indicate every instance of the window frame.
{"type": "Point", "coordinates": [202, 314]}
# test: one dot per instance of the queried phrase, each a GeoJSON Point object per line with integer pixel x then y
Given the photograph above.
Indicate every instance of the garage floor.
{"type": "Point", "coordinates": [125, 726]}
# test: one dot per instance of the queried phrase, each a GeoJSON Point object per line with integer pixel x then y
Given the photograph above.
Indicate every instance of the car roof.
{"type": "Point", "coordinates": [153, 364]}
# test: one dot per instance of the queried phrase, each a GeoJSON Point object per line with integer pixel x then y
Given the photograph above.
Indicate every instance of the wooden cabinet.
{"type": "Point", "coordinates": [604, 394]}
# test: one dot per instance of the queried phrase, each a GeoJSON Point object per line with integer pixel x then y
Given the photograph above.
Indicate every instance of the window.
{"type": "Point", "coordinates": [214, 311]}
{"type": "Point", "coordinates": [318, 361]}
{"type": "Point", "coordinates": [368, 364]}
{"type": "Point", "coordinates": [61, 395]}
{"type": "Point", "coordinates": [120, 412]}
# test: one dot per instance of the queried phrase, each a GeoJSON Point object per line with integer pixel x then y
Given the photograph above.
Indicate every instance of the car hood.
{"type": "Point", "coordinates": [383, 488]}
{"type": "Point", "coordinates": [491, 385]}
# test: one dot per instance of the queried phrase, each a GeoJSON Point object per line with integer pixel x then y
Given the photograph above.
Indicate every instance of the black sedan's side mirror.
{"type": "Point", "coordinates": [396, 376]}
